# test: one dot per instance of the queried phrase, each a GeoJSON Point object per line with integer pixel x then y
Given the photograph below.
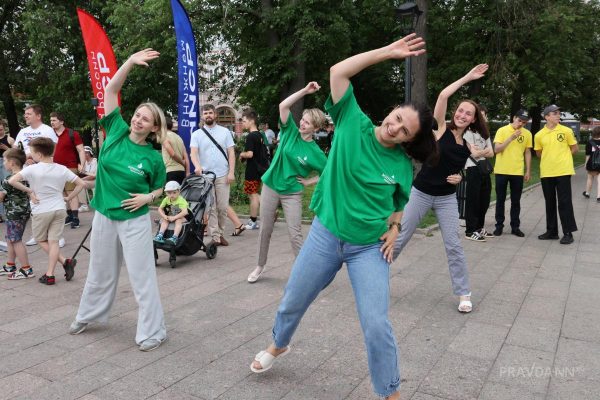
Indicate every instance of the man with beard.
{"type": "Point", "coordinates": [212, 149]}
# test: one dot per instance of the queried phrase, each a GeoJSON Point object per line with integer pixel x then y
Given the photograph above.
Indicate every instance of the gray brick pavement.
{"type": "Point", "coordinates": [534, 332]}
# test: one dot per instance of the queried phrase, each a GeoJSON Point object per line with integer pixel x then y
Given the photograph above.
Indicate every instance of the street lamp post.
{"type": "Point", "coordinates": [408, 15]}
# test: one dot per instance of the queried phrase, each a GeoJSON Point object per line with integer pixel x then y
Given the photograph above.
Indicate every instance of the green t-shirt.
{"type": "Point", "coordinates": [363, 182]}
{"type": "Point", "coordinates": [172, 208]}
{"type": "Point", "coordinates": [295, 157]}
{"type": "Point", "coordinates": [124, 167]}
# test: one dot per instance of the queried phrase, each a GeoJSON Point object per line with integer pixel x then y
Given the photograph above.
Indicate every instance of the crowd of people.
{"type": "Point", "coordinates": [366, 209]}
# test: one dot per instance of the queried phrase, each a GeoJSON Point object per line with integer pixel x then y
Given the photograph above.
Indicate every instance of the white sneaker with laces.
{"type": "Point", "coordinates": [84, 208]}
{"type": "Point", "coordinates": [31, 242]}
{"type": "Point", "coordinates": [251, 225]}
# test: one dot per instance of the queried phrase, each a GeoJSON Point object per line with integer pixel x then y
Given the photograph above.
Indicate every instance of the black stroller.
{"type": "Point", "coordinates": [197, 191]}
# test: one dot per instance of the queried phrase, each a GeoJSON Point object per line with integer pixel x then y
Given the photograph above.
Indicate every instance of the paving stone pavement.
{"type": "Point", "coordinates": [534, 332]}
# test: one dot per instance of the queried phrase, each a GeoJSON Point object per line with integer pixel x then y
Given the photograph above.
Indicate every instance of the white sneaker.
{"type": "Point", "coordinates": [31, 242]}
{"type": "Point", "coordinates": [250, 225]}
{"type": "Point", "coordinates": [84, 208]}
{"type": "Point", "coordinates": [61, 242]}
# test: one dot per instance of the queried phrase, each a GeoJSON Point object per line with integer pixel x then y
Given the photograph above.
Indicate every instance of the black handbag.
{"type": "Point", "coordinates": [485, 166]}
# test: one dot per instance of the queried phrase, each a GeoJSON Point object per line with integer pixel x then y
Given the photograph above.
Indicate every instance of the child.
{"type": "Point", "coordinates": [173, 208]}
{"type": "Point", "coordinates": [17, 208]}
{"type": "Point", "coordinates": [48, 210]}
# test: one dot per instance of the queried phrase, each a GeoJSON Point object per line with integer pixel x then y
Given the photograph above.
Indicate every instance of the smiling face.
{"type": "Point", "coordinates": [464, 115]}
{"type": "Point", "coordinates": [307, 125]}
{"type": "Point", "coordinates": [142, 122]}
{"type": "Point", "coordinates": [401, 125]}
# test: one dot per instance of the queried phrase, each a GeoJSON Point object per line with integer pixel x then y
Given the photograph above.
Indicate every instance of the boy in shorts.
{"type": "Point", "coordinates": [174, 208]}
{"type": "Point", "coordinates": [17, 209]}
{"type": "Point", "coordinates": [48, 211]}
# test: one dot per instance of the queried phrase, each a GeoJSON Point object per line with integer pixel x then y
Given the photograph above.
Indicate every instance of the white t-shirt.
{"type": "Point", "coordinates": [90, 167]}
{"type": "Point", "coordinates": [270, 135]}
{"type": "Point", "coordinates": [210, 156]}
{"type": "Point", "coordinates": [476, 139]}
{"type": "Point", "coordinates": [47, 180]}
{"type": "Point", "coordinates": [27, 134]}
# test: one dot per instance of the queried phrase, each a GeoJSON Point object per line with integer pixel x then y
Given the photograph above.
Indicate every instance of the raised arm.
{"type": "Point", "coordinates": [111, 92]}
{"type": "Point", "coordinates": [441, 105]}
{"type": "Point", "coordinates": [340, 73]}
{"type": "Point", "coordinates": [285, 105]}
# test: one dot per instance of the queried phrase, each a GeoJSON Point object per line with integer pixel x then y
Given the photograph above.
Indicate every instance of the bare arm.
{"type": "Point", "coordinates": [196, 160]}
{"type": "Point", "coordinates": [167, 146]}
{"type": "Point", "coordinates": [285, 105]}
{"type": "Point", "coordinates": [231, 159]}
{"type": "Point", "coordinates": [501, 146]}
{"type": "Point", "coordinates": [80, 185]}
{"type": "Point", "coordinates": [340, 73]}
{"type": "Point", "coordinates": [186, 159]}
{"type": "Point", "coordinates": [111, 92]}
{"type": "Point", "coordinates": [538, 153]}
{"type": "Point", "coordinates": [81, 153]}
{"type": "Point", "coordinates": [527, 164]}
{"type": "Point", "coordinates": [574, 148]}
{"type": "Point", "coordinates": [441, 105]}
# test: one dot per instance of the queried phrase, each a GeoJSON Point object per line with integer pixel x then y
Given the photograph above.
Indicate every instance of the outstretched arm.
{"type": "Point", "coordinates": [439, 113]}
{"type": "Point", "coordinates": [340, 73]}
{"type": "Point", "coordinates": [111, 92]}
{"type": "Point", "coordinates": [285, 105]}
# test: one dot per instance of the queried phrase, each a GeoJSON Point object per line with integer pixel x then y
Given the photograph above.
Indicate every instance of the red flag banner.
{"type": "Point", "coordinates": [100, 55]}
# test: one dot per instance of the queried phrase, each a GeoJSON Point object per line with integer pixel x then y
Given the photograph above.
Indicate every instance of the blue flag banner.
{"type": "Point", "coordinates": [187, 73]}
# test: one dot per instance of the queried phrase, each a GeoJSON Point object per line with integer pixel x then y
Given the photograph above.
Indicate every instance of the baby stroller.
{"type": "Point", "coordinates": [197, 191]}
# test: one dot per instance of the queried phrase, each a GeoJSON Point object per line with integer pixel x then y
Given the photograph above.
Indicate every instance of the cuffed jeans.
{"type": "Point", "coordinates": [320, 258]}
{"type": "Point", "coordinates": [292, 209]}
{"type": "Point", "coordinates": [112, 243]}
{"type": "Point", "coordinates": [446, 211]}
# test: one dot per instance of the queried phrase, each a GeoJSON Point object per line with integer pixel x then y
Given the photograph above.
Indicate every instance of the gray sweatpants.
{"type": "Point", "coordinates": [292, 209]}
{"type": "Point", "coordinates": [446, 211]}
{"type": "Point", "coordinates": [112, 243]}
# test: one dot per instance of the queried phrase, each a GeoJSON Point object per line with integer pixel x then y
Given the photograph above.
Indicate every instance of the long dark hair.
{"type": "Point", "coordinates": [423, 147]}
{"type": "Point", "coordinates": [479, 125]}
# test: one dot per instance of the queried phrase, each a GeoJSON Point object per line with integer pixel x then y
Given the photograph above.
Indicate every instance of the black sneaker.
{"type": "Point", "coordinates": [586, 195]}
{"type": "Point", "coordinates": [69, 219]}
{"type": "Point", "coordinates": [567, 239]}
{"type": "Point", "coordinates": [475, 236]}
{"type": "Point", "coordinates": [74, 223]}
{"type": "Point", "coordinates": [517, 232]}
{"type": "Point", "coordinates": [69, 267]}
{"type": "Point", "coordinates": [548, 236]}
{"type": "Point", "coordinates": [498, 232]}
{"type": "Point", "coordinates": [47, 280]}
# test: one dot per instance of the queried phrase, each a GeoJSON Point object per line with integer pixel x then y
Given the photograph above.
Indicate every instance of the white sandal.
{"type": "Point", "coordinates": [266, 360]}
{"type": "Point", "coordinates": [254, 275]}
{"type": "Point", "coordinates": [465, 306]}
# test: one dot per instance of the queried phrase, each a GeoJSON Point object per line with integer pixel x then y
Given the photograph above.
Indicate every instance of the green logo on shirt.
{"type": "Point", "coordinates": [520, 138]}
{"type": "Point", "coordinates": [302, 160]}
{"type": "Point", "coordinates": [389, 179]}
{"type": "Point", "coordinates": [560, 137]}
{"type": "Point", "coordinates": [137, 169]}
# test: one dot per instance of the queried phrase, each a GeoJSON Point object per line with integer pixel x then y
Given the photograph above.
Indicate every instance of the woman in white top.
{"type": "Point", "coordinates": [88, 170]}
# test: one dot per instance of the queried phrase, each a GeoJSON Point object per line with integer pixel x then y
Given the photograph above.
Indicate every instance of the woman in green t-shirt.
{"type": "Point", "coordinates": [130, 175]}
{"type": "Point", "coordinates": [358, 204]}
{"type": "Point", "coordinates": [297, 156]}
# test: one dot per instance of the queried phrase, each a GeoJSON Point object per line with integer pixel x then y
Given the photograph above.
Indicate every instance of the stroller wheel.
{"type": "Point", "coordinates": [211, 251]}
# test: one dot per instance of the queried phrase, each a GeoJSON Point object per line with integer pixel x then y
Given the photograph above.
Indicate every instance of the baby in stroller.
{"type": "Point", "coordinates": [174, 208]}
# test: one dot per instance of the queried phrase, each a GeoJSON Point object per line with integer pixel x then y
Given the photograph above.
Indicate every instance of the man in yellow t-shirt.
{"type": "Point", "coordinates": [512, 145]}
{"type": "Point", "coordinates": [556, 144]}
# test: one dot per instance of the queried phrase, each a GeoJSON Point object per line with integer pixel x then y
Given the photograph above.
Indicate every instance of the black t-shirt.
{"type": "Point", "coordinates": [453, 156]}
{"type": "Point", "coordinates": [253, 144]}
{"type": "Point", "coordinates": [588, 146]}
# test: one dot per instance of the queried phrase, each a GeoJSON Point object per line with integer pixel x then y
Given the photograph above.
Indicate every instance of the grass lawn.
{"type": "Point", "coordinates": [242, 207]}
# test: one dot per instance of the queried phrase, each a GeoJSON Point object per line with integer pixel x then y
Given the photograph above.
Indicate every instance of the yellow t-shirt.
{"type": "Point", "coordinates": [511, 161]}
{"type": "Point", "coordinates": [555, 144]}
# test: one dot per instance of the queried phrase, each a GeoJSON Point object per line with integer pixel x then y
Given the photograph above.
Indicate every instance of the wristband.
{"type": "Point", "coordinates": [394, 223]}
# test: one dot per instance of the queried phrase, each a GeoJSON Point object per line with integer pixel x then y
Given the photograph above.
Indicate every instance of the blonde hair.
{"type": "Point", "coordinates": [316, 116]}
{"type": "Point", "coordinates": [159, 120]}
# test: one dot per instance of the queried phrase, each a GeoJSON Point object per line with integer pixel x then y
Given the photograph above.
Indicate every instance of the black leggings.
{"type": "Point", "coordinates": [479, 189]}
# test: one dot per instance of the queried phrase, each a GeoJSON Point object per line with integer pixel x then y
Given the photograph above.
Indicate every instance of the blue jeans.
{"type": "Point", "coordinates": [320, 259]}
